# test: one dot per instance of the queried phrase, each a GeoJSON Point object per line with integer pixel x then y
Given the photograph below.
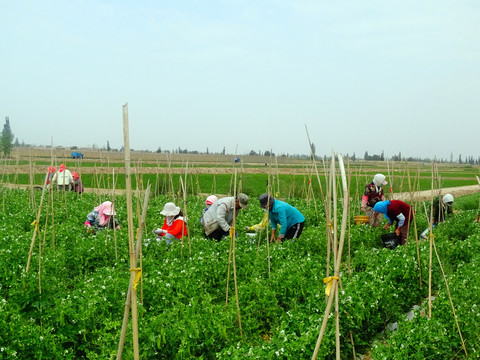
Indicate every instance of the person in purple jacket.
{"type": "Point", "coordinates": [280, 213]}
{"type": "Point", "coordinates": [399, 212]}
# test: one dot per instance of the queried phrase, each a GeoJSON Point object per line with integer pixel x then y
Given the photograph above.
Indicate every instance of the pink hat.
{"type": "Point", "coordinates": [211, 199]}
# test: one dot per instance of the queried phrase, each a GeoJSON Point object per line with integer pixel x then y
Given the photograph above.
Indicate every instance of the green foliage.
{"type": "Point", "coordinates": [6, 141]}
{"type": "Point", "coordinates": [78, 313]}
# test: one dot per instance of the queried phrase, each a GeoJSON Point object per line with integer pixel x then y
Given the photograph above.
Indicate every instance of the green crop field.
{"type": "Point", "coordinates": [70, 303]}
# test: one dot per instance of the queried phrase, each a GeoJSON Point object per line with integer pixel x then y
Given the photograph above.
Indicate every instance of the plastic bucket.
{"type": "Point", "coordinates": [390, 241]}
{"type": "Point", "coordinates": [361, 219]}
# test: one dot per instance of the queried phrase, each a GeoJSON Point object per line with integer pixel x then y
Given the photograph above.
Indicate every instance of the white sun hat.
{"type": "Point", "coordinates": [170, 209]}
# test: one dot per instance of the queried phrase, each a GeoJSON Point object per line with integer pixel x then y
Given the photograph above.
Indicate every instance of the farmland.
{"type": "Point", "coordinates": [70, 304]}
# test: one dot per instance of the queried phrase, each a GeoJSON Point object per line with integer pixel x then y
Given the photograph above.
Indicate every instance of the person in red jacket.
{"type": "Point", "coordinates": [174, 227]}
{"type": "Point", "coordinates": [399, 212]}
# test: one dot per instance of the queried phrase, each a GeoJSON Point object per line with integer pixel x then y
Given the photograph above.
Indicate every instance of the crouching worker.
{"type": "Point", "coordinates": [218, 219]}
{"type": "Point", "coordinates": [103, 216]}
{"type": "Point", "coordinates": [441, 208]}
{"type": "Point", "coordinates": [399, 212]}
{"type": "Point", "coordinates": [174, 226]}
{"type": "Point", "coordinates": [291, 220]}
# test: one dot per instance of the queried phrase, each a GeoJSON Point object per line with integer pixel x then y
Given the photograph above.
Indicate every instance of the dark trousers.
{"type": "Point", "coordinates": [294, 231]}
{"type": "Point", "coordinates": [217, 234]}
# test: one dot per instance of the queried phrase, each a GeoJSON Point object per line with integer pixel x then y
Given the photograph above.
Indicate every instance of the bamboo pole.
{"type": "Point", "coordinates": [133, 263]}
{"type": "Point", "coordinates": [431, 251]}
{"type": "Point", "coordinates": [335, 242]}
{"type": "Point", "coordinates": [232, 240]}
{"type": "Point", "coordinates": [334, 280]}
{"type": "Point", "coordinates": [128, 300]}
{"type": "Point", "coordinates": [113, 202]}
{"type": "Point", "coordinates": [185, 215]}
{"type": "Point", "coordinates": [415, 229]}
{"type": "Point", "coordinates": [449, 296]}
{"type": "Point", "coordinates": [35, 223]}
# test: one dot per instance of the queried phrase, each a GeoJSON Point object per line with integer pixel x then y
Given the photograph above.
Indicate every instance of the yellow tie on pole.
{"type": "Point", "coordinates": [329, 281]}
{"type": "Point", "coordinates": [35, 222]}
{"type": "Point", "coordinates": [137, 277]}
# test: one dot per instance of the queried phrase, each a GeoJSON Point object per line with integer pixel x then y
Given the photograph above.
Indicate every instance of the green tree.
{"type": "Point", "coordinates": [7, 138]}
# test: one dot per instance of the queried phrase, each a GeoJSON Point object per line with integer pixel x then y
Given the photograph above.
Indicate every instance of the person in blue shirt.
{"type": "Point", "coordinates": [280, 213]}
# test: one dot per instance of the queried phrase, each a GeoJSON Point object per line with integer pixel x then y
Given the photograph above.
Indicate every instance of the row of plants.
{"type": "Point", "coordinates": [184, 314]}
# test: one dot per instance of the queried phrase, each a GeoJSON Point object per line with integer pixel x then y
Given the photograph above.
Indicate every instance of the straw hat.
{"type": "Point", "coordinates": [170, 209]}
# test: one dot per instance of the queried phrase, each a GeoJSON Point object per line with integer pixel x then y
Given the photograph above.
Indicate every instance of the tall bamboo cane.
{"type": "Point", "coordinates": [113, 202]}
{"type": "Point", "coordinates": [128, 299]}
{"type": "Point", "coordinates": [185, 215]}
{"type": "Point", "coordinates": [232, 239]}
{"type": "Point", "coordinates": [415, 228]}
{"type": "Point", "coordinates": [334, 280]}
{"type": "Point", "coordinates": [35, 223]}
{"type": "Point", "coordinates": [449, 296]}
{"type": "Point", "coordinates": [133, 262]}
{"type": "Point", "coordinates": [431, 251]}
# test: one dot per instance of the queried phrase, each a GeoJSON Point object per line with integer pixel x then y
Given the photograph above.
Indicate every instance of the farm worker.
{"type": "Point", "coordinates": [441, 207]}
{"type": "Point", "coordinates": [373, 193]}
{"type": "Point", "coordinates": [398, 211]}
{"type": "Point", "coordinates": [102, 216]}
{"type": "Point", "coordinates": [174, 226]}
{"type": "Point", "coordinates": [77, 183]}
{"type": "Point", "coordinates": [63, 177]}
{"type": "Point", "coordinates": [218, 219]}
{"type": "Point", "coordinates": [291, 220]}
{"type": "Point", "coordinates": [210, 200]}
{"type": "Point", "coordinates": [49, 176]}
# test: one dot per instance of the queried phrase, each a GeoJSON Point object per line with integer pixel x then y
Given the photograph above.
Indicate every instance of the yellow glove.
{"type": "Point", "coordinates": [232, 232]}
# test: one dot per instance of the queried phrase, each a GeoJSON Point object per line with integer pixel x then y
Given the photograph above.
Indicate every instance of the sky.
{"type": "Point", "coordinates": [245, 75]}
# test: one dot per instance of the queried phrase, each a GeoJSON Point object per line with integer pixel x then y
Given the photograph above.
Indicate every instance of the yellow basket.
{"type": "Point", "coordinates": [361, 219]}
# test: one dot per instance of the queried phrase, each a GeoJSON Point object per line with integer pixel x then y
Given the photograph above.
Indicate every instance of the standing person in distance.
{"type": "Point", "coordinates": [49, 176]}
{"type": "Point", "coordinates": [63, 177]}
{"type": "Point", "coordinates": [218, 219]}
{"type": "Point", "coordinates": [399, 212]}
{"type": "Point", "coordinates": [373, 193]}
{"type": "Point", "coordinates": [291, 220]}
{"type": "Point", "coordinates": [77, 183]}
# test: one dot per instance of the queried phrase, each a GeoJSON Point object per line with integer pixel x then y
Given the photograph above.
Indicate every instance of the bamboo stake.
{"type": "Point", "coordinates": [35, 223]}
{"type": "Point", "coordinates": [334, 281]}
{"type": "Point", "coordinates": [431, 251]}
{"type": "Point", "coordinates": [449, 296]}
{"type": "Point", "coordinates": [133, 263]}
{"type": "Point", "coordinates": [335, 237]}
{"type": "Point", "coordinates": [113, 202]}
{"type": "Point", "coordinates": [232, 238]}
{"type": "Point", "coordinates": [416, 235]}
{"type": "Point", "coordinates": [185, 211]}
{"type": "Point", "coordinates": [128, 300]}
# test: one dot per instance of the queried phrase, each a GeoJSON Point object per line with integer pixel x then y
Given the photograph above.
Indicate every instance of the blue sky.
{"type": "Point", "coordinates": [245, 75]}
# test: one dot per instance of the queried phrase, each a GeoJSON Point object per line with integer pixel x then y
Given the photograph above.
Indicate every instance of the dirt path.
{"type": "Point", "coordinates": [426, 195]}
{"type": "Point", "coordinates": [418, 195]}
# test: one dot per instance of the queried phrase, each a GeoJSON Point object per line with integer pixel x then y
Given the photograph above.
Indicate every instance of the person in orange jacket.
{"type": "Point", "coordinates": [174, 226]}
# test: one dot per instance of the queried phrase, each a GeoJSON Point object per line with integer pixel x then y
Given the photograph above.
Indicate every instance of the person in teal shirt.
{"type": "Point", "coordinates": [291, 220]}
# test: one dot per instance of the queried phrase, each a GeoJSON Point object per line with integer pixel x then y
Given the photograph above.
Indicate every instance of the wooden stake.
{"type": "Point", "coordinates": [334, 287]}
{"type": "Point", "coordinates": [133, 262]}
{"type": "Point", "coordinates": [128, 300]}
{"type": "Point", "coordinates": [415, 229]}
{"type": "Point", "coordinates": [35, 223]}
